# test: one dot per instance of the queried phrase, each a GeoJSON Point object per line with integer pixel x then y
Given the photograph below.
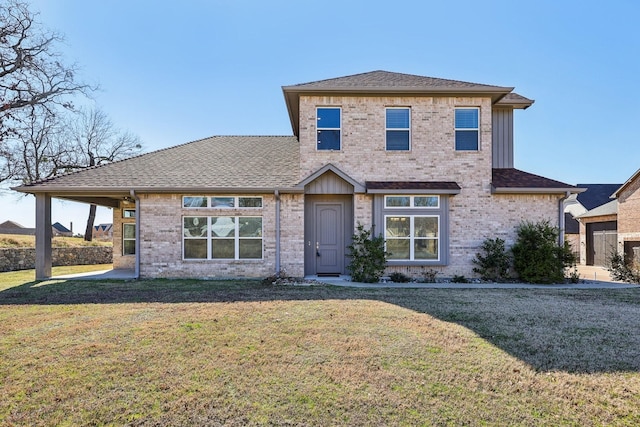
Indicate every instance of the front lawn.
{"type": "Point", "coordinates": [167, 352]}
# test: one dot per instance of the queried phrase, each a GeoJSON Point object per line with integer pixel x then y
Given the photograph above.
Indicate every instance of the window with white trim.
{"type": "Point", "coordinates": [222, 237]}
{"type": "Point", "coordinates": [222, 202]}
{"type": "Point", "coordinates": [398, 129]}
{"type": "Point", "coordinates": [467, 129]}
{"type": "Point", "coordinates": [412, 237]}
{"type": "Point", "coordinates": [129, 239]}
{"type": "Point", "coordinates": [328, 126]}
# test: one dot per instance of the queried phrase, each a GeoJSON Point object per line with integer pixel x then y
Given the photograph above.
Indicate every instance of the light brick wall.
{"type": "Point", "coordinates": [121, 261]}
{"type": "Point", "coordinates": [292, 234]}
{"type": "Point", "coordinates": [432, 156]}
{"type": "Point", "coordinates": [161, 240]}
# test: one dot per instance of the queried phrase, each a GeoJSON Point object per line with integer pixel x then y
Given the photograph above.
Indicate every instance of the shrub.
{"type": "Point", "coordinates": [622, 269]}
{"type": "Point", "coordinates": [537, 257]}
{"type": "Point", "coordinates": [430, 275]}
{"type": "Point", "coordinates": [368, 256]}
{"type": "Point", "coordinates": [494, 261]}
{"type": "Point", "coordinates": [398, 277]}
{"type": "Point", "coordinates": [459, 279]}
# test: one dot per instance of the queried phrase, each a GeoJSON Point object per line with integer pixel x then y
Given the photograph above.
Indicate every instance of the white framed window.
{"type": "Point", "coordinates": [222, 237]}
{"type": "Point", "coordinates": [398, 129]}
{"type": "Point", "coordinates": [129, 239]}
{"type": "Point", "coordinates": [467, 129]}
{"type": "Point", "coordinates": [328, 126]}
{"type": "Point", "coordinates": [412, 237]}
{"type": "Point", "coordinates": [407, 201]}
{"type": "Point", "coordinates": [222, 202]}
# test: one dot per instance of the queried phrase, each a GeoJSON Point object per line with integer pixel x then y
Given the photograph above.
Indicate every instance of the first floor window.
{"type": "Point", "coordinates": [467, 129]}
{"type": "Point", "coordinates": [128, 239]}
{"type": "Point", "coordinates": [412, 237]}
{"type": "Point", "coordinates": [222, 237]}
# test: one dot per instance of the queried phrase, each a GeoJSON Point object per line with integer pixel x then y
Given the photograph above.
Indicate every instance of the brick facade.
{"type": "Point", "coordinates": [629, 213]}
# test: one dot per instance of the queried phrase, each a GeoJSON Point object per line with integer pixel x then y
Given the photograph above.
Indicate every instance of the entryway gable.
{"type": "Point", "coordinates": [330, 180]}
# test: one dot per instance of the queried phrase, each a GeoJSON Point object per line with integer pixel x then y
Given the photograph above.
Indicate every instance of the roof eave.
{"type": "Point", "coordinates": [536, 190]}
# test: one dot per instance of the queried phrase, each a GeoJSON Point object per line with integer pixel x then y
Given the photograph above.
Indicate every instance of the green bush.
{"type": "Point", "coordinates": [537, 257]}
{"type": "Point", "coordinates": [397, 277]}
{"type": "Point", "coordinates": [368, 256]}
{"type": "Point", "coordinates": [622, 269]}
{"type": "Point", "coordinates": [493, 262]}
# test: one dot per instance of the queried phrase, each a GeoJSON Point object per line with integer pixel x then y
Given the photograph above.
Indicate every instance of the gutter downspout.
{"type": "Point", "coordinates": [132, 192]}
{"type": "Point", "coordinates": [276, 193]}
{"type": "Point", "coordinates": [561, 222]}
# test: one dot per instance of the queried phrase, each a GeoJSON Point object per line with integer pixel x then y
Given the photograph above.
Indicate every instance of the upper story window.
{"type": "Point", "coordinates": [328, 124]}
{"type": "Point", "coordinates": [398, 129]}
{"type": "Point", "coordinates": [467, 129]}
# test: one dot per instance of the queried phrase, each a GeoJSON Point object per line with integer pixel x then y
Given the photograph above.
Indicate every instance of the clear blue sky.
{"type": "Point", "coordinates": [176, 71]}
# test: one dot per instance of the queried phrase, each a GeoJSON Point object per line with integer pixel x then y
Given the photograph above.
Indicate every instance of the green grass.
{"type": "Point", "coordinates": [188, 352]}
{"type": "Point", "coordinates": [20, 241]}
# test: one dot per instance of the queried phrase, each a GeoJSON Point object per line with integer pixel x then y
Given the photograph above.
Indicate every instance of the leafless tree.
{"type": "Point", "coordinates": [93, 140]}
{"type": "Point", "coordinates": [32, 73]}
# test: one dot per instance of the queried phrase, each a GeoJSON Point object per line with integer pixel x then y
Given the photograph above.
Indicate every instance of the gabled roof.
{"type": "Point", "coordinates": [10, 224]}
{"type": "Point", "coordinates": [596, 194]}
{"type": "Point", "coordinates": [389, 83]}
{"type": "Point", "coordinates": [61, 228]}
{"type": "Point", "coordinates": [510, 180]}
{"type": "Point", "coordinates": [219, 163]}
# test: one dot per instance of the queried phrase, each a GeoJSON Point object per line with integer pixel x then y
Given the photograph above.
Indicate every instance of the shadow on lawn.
{"type": "Point", "coordinates": [576, 331]}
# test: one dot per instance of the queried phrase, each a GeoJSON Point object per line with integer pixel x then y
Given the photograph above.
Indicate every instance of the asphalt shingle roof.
{"type": "Point", "coordinates": [596, 194]}
{"type": "Point", "coordinates": [233, 162]}
{"type": "Point", "coordinates": [515, 178]}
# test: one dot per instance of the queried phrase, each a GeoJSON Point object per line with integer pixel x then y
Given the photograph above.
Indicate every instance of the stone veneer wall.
{"type": "Point", "coordinates": [12, 259]}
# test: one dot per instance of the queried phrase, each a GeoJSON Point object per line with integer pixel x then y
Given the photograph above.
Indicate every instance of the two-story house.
{"type": "Point", "coordinates": [426, 162]}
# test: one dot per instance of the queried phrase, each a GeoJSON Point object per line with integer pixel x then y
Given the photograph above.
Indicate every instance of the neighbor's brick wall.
{"type": "Point", "coordinates": [629, 214]}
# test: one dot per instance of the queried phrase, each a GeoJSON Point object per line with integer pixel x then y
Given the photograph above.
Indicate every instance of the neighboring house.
{"type": "Point", "coordinates": [102, 232]}
{"type": "Point", "coordinates": [598, 234]}
{"type": "Point", "coordinates": [427, 162]}
{"type": "Point", "coordinates": [60, 230]}
{"type": "Point", "coordinates": [11, 227]}
{"type": "Point", "coordinates": [593, 243]}
{"type": "Point", "coordinates": [628, 197]}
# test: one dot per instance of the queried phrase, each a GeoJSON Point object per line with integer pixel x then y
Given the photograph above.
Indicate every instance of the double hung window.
{"type": "Point", "coordinates": [398, 129]}
{"type": "Point", "coordinates": [467, 129]}
{"type": "Point", "coordinates": [129, 239]}
{"type": "Point", "coordinates": [328, 125]}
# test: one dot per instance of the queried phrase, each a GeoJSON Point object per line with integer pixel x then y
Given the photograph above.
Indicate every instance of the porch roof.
{"type": "Point", "coordinates": [511, 180]}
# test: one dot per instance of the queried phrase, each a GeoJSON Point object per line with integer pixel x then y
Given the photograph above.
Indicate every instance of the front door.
{"type": "Point", "coordinates": [328, 230]}
{"type": "Point", "coordinates": [329, 242]}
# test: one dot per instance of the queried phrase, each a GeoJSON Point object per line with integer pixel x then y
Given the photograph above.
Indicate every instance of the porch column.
{"type": "Point", "coordinates": [43, 236]}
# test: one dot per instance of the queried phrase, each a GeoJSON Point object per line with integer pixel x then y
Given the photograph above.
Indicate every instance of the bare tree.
{"type": "Point", "coordinates": [93, 140]}
{"type": "Point", "coordinates": [31, 70]}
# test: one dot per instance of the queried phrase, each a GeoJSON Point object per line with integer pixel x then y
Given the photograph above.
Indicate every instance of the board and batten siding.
{"type": "Point", "coordinates": [502, 138]}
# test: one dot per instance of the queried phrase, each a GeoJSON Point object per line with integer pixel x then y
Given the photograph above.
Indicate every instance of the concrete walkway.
{"type": "Point", "coordinates": [588, 274]}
